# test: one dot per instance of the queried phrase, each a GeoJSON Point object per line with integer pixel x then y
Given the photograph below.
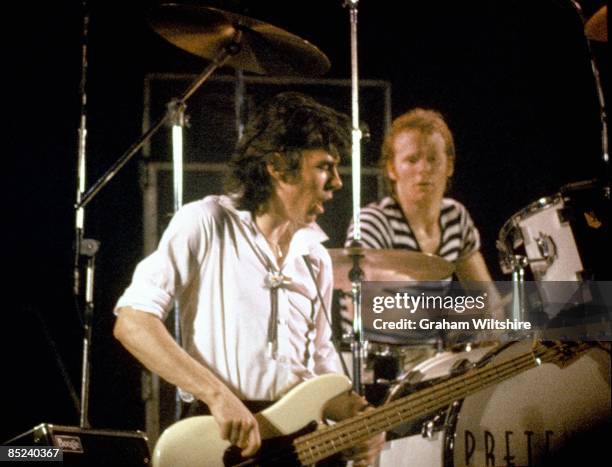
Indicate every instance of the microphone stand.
{"type": "Point", "coordinates": [83, 247]}
{"type": "Point", "coordinates": [88, 247]}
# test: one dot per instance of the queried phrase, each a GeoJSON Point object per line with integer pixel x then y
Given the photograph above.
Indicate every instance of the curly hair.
{"type": "Point", "coordinates": [284, 126]}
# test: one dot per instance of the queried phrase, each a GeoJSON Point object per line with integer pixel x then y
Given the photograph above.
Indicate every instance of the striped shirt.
{"type": "Point", "coordinates": [383, 225]}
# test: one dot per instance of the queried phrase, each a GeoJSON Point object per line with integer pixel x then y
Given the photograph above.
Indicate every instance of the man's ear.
{"type": "Point", "coordinates": [274, 167]}
{"type": "Point", "coordinates": [450, 166]}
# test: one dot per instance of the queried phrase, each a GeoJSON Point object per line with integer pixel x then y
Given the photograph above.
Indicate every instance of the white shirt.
{"type": "Point", "coordinates": [214, 260]}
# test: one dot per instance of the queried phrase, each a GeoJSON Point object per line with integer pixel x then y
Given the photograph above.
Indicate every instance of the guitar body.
{"type": "Point", "coordinates": [196, 441]}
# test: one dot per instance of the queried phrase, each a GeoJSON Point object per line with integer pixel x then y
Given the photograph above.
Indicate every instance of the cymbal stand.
{"type": "Point", "coordinates": [176, 111]}
{"type": "Point", "coordinates": [87, 247]}
{"type": "Point", "coordinates": [224, 55]}
{"type": "Point", "coordinates": [356, 274]}
{"type": "Point", "coordinates": [356, 278]}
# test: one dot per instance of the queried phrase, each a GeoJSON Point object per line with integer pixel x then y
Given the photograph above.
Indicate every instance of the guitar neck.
{"type": "Point", "coordinates": [330, 440]}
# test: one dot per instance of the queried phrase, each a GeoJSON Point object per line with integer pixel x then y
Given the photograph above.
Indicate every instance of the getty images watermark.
{"type": "Point", "coordinates": [460, 304]}
{"type": "Point", "coordinates": [404, 312]}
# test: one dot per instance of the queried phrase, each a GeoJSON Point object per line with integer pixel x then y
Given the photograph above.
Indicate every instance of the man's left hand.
{"type": "Point", "coordinates": [346, 406]}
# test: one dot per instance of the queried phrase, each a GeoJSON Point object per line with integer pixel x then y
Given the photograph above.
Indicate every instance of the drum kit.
{"type": "Point", "coordinates": [555, 239]}
{"type": "Point", "coordinates": [384, 359]}
{"type": "Point", "coordinates": [559, 238]}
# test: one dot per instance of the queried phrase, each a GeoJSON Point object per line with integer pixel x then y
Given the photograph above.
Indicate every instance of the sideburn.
{"type": "Point", "coordinates": [287, 165]}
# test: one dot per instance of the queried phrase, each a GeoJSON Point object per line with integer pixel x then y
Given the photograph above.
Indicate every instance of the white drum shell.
{"type": "Point", "coordinates": [522, 420]}
{"type": "Point", "coordinates": [541, 223]}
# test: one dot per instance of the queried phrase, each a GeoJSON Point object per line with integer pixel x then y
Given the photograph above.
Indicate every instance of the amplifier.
{"type": "Point", "coordinates": [88, 447]}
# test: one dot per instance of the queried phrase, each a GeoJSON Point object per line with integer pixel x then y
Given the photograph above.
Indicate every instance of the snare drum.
{"type": "Point", "coordinates": [525, 420]}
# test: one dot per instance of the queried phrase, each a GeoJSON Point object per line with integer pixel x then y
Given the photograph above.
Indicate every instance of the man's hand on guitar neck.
{"type": "Point", "coordinates": [348, 405]}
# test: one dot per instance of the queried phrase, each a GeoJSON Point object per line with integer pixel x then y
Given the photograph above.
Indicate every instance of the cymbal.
{"type": "Point", "coordinates": [596, 28]}
{"type": "Point", "coordinates": [388, 265]}
{"type": "Point", "coordinates": [265, 49]}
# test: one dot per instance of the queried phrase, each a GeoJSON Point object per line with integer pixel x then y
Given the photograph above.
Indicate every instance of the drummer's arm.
{"type": "Point", "coordinates": [474, 269]}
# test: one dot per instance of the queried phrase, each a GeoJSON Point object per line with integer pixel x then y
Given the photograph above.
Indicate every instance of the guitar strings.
{"type": "Point", "coordinates": [320, 444]}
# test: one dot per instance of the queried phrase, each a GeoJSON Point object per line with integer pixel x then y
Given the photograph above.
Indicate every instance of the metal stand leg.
{"type": "Point", "coordinates": [357, 344]}
{"type": "Point", "coordinates": [518, 293]}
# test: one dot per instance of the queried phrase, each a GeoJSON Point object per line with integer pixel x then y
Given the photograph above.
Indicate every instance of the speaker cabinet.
{"type": "Point", "coordinates": [87, 447]}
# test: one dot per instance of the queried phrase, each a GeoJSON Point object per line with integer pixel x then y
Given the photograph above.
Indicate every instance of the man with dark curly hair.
{"type": "Point", "coordinates": [250, 274]}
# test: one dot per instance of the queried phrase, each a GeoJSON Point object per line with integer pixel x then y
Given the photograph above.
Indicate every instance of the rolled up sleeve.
{"type": "Point", "coordinates": [161, 276]}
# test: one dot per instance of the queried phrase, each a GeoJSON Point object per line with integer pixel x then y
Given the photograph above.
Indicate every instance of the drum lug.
{"type": "Point", "coordinates": [547, 248]}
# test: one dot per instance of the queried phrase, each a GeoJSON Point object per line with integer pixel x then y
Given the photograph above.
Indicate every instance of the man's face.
{"type": "Point", "coordinates": [304, 194]}
{"type": "Point", "coordinates": [420, 167]}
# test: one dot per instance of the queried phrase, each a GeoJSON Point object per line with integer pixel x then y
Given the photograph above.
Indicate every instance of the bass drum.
{"type": "Point", "coordinates": [543, 416]}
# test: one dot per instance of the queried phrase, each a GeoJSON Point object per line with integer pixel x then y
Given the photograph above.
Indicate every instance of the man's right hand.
{"type": "Point", "coordinates": [146, 337]}
{"type": "Point", "coordinates": [236, 423]}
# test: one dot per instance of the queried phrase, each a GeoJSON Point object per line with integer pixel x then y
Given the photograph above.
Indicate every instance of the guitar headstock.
{"type": "Point", "coordinates": [559, 353]}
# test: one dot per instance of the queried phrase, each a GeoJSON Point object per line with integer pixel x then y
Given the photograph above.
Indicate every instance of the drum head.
{"type": "Point", "coordinates": [432, 371]}
{"type": "Point", "coordinates": [542, 415]}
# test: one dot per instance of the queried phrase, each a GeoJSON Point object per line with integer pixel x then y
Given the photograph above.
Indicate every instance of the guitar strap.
{"type": "Point", "coordinates": [334, 341]}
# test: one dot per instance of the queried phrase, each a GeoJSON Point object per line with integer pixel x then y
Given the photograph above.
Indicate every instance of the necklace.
{"type": "Point", "coordinates": [276, 249]}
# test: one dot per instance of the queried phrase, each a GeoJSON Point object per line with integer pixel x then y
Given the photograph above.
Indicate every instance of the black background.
{"type": "Point", "coordinates": [512, 77]}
